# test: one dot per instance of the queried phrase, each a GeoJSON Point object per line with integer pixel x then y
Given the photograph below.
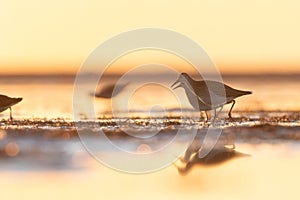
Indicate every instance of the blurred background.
{"type": "Point", "coordinates": [41, 37]}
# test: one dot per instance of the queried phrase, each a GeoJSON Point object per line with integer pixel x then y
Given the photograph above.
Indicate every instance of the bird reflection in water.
{"type": "Point", "coordinates": [224, 150]}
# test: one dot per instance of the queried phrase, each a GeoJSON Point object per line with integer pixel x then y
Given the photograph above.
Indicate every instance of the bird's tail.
{"type": "Point", "coordinates": [242, 92]}
{"type": "Point", "coordinates": [17, 100]}
{"type": "Point", "coordinates": [247, 92]}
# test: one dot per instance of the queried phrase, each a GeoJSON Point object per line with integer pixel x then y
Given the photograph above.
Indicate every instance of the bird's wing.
{"type": "Point", "coordinates": [6, 102]}
{"type": "Point", "coordinates": [217, 91]}
{"type": "Point", "coordinates": [206, 93]}
{"type": "Point", "coordinates": [3, 101]}
{"type": "Point", "coordinates": [218, 88]}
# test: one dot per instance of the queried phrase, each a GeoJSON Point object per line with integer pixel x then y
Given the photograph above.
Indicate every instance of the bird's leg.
{"type": "Point", "coordinates": [206, 116]}
{"type": "Point", "coordinates": [229, 113]}
{"type": "Point", "coordinates": [215, 116]}
{"type": "Point", "coordinates": [217, 113]}
{"type": "Point", "coordinates": [10, 114]}
{"type": "Point", "coordinates": [200, 116]}
{"type": "Point", "coordinates": [220, 110]}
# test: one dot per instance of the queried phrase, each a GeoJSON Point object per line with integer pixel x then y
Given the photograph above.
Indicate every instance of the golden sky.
{"type": "Point", "coordinates": [39, 36]}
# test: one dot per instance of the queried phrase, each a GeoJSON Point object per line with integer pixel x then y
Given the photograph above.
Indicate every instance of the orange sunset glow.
{"type": "Point", "coordinates": [56, 37]}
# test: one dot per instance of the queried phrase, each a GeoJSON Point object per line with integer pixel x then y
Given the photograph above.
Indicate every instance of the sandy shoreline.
{"type": "Point", "coordinates": [55, 143]}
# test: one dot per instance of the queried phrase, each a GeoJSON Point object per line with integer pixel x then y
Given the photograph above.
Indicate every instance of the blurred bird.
{"type": "Point", "coordinates": [7, 102]}
{"type": "Point", "coordinates": [109, 90]}
{"type": "Point", "coordinates": [208, 95]}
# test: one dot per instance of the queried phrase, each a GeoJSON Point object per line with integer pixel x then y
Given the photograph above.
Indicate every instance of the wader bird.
{"type": "Point", "coordinates": [7, 102]}
{"type": "Point", "coordinates": [109, 91]}
{"type": "Point", "coordinates": [208, 95]}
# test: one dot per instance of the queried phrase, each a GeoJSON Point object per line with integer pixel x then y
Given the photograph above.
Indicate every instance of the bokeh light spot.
{"type": "Point", "coordinates": [12, 149]}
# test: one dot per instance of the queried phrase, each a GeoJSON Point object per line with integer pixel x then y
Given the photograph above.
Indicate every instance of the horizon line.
{"type": "Point", "coordinates": [71, 74]}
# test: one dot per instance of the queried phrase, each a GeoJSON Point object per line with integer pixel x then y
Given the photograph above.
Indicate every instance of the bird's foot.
{"type": "Point", "coordinates": [230, 146]}
{"type": "Point", "coordinates": [230, 118]}
{"type": "Point", "coordinates": [206, 124]}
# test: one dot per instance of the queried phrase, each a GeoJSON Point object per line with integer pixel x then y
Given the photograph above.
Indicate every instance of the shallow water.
{"type": "Point", "coordinates": [41, 153]}
{"type": "Point", "coordinates": [53, 163]}
{"type": "Point", "coordinates": [52, 96]}
{"type": "Point", "coordinates": [58, 136]}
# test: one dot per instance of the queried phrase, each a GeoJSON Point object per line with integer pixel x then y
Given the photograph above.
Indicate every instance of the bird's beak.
{"type": "Point", "coordinates": [173, 86]}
